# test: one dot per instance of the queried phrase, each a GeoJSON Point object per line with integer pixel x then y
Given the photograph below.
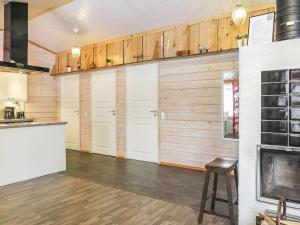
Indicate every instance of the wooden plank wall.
{"type": "Point", "coordinates": [43, 89]}
{"type": "Point", "coordinates": [43, 98]}
{"type": "Point", "coordinates": [121, 112]}
{"type": "Point", "coordinates": [190, 95]}
{"type": "Point", "coordinates": [85, 104]}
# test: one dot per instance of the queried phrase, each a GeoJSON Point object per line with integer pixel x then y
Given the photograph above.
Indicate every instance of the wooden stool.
{"type": "Point", "coordinates": [219, 166]}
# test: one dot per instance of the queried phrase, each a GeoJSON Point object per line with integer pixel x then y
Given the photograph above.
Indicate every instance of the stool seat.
{"type": "Point", "coordinates": [222, 163]}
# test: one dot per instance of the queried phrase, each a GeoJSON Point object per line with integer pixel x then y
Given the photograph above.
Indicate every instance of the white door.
{"type": "Point", "coordinates": [70, 109]}
{"type": "Point", "coordinates": [142, 105]}
{"type": "Point", "coordinates": [104, 112]}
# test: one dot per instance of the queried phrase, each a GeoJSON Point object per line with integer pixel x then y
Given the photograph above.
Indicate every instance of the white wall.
{"type": "Point", "coordinates": [253, 60]}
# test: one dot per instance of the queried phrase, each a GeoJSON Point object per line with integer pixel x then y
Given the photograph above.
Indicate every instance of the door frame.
{"type": "Point", "coordinates": [102, 73]}
{"type": "Point", "coordinates": [60, 107]}
{"type": "Point", "coordinates": [157, 144]}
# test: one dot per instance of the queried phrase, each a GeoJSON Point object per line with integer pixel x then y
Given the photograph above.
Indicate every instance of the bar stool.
{"type": "Point", "coordinates": [219, 166]}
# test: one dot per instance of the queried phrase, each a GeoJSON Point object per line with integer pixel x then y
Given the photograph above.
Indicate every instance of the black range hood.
{"type": "Point", "coordinates": [15, 49]}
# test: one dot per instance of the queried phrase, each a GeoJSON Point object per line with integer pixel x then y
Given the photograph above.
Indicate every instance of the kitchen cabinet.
{"type": "Point", "coordinates": [13, 87]}
{"type": "Point", "coordinates": [2, 87]}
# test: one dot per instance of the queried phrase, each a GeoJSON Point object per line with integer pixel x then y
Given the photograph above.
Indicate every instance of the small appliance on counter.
{"type": "Point", "coordinates": [9, 113]}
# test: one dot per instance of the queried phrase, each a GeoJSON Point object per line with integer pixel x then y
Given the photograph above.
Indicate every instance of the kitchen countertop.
{"type": "Point", "coordinates": [15, 120]}
{"type": "Point", "coordinates": [29, 124]}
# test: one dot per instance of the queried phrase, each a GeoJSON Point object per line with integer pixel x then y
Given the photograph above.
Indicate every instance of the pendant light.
{"type": "Point", "coordinates": [76, 49]}
{"type": "Point", "coordinates": [239, 15]}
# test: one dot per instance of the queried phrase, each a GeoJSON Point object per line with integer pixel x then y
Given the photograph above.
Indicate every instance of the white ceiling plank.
{"type": "Point", "coordinates": [100, 20]}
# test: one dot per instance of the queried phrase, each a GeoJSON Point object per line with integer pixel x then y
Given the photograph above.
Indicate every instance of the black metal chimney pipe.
{"type": "Point", "coordinates": [287, 19]}
{"type": "Point", "coordinates": [16, 32]}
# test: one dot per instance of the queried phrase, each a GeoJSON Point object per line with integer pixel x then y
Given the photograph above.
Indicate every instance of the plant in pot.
{"type": "Point", "coordinates": [239, 40]}
{"type": "Point", "coordinates": [108, 61]}
{"type": "Point", "coordinates": [245, 39]}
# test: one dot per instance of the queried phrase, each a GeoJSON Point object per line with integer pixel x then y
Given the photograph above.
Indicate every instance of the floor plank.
{"type": "Point", "coordinates": [66, 200]}
{"type": "Point", "coordinates": [106, 191]}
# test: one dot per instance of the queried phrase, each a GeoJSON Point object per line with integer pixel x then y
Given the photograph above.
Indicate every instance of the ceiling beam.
{"type": "Point", "coordinates": [42, 47]}
{"type": "Point", "coordinates": [63, 2]}
{"type": "Point", "coordinates": [38, 45]}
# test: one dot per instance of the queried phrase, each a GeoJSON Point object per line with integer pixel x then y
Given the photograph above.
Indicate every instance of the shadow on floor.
{"type": "Point", "coordinates": [177, 185]}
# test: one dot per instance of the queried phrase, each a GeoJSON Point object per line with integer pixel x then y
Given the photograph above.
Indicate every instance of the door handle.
{"type": "Point", "coordinates": [154, 112]}
{"type": "Point", "coordinates": [113, 112]}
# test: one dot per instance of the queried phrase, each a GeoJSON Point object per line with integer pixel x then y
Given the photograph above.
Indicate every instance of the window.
{"type": "Point", "coordinates": [231, 105]}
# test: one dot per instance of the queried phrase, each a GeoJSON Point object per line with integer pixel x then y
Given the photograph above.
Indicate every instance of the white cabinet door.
{"type": "Point", "coordinates": [142, 104]}
{"type": "Point", "coordinates": [16, 86]}
{"type": "Point", "coordinates": [104, 112]}
{"type": "Point", "coordinates": [3, 95]}
{"type": "Point", "coordinates": [70, 109]}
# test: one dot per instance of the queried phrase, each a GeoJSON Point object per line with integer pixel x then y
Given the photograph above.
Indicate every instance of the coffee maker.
{"type": "Point", "coordinates": [9, 113]}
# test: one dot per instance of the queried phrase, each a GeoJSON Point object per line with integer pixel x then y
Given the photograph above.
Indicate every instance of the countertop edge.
{"type": "Point", "coordinates": [32, 125]}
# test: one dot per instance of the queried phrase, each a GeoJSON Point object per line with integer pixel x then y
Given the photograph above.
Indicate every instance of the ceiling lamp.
{"type": "Point", "coordinates": [76, 52]}
{"type": "Point", "coordinates": [76, 49]}
{"type": "Point", "coordinates": [239, 15]}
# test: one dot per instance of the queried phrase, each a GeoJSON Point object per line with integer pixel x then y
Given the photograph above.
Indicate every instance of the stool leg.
{"type": "Point", "coordinates": [230, 203]}
{"type": "Point", "coordinates": [203, 200]}
{"type": "Point", "coordinates": [236, 177]}
{"type": "Point", "coordinates": [215, 187]}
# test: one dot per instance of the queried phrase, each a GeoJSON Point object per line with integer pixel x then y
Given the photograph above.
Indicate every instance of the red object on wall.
{"type": "Point", "coordinates": [236, 103]}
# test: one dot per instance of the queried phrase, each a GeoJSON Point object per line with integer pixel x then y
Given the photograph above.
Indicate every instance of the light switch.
{"type": "Point", "coordinates": [162, 115]}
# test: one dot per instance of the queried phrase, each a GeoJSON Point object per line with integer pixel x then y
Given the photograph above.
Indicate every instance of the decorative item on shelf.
{"type": "Point", "coordinates": [156, 51]}
{"type": "Point", "coordinates": [138, 57]}
{"type": "Point", "coordinates": [242, 40]}
{"type": "Point", "coordinates": [166, 52]}
{"type": "Point", "coordinates": [162, 45]}
{"type": "Point", "coordinates": [108, 62]}
{"type": "Point", "coordinates": [93, 64]}
{"type": "Point", "coordinates": [78, 65]}
{"type": "Point", "coordinates": [69, 68]}
{"type": "Point", "coordinates": [245, 39]}
{"type": "Point", "coordinates": [183, 53]}
{"type": "Point", "coordinates": [76, 49]}
{"type": "Point", "coordinates": [239, 40]}
{"type": "Point", "coordinates": [239, 15]}
{"type": "Point", "coordinates": [202, 49]}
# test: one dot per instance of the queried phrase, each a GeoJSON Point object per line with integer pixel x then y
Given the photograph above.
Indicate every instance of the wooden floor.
{"type": "Point", "coordinates": [64, 200]}
{"type": "Point", "coordinates": [171, 184]}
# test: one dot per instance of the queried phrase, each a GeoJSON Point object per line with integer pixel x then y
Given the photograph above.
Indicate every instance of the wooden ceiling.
{"type": "Point", "coordinates": [108, 19]}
